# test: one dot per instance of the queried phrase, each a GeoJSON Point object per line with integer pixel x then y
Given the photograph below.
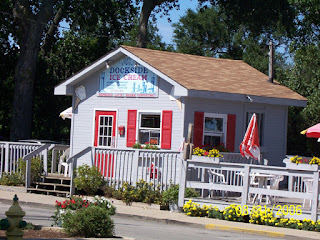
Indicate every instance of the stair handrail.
{"type": "Point", "coordinates": [72, 161]}
{"type": "Point", "coordinates": [27, 158]}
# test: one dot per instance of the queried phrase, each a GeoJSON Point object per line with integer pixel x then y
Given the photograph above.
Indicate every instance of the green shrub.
{"type": "Point", "coordinates": [36, 168]}
{"type": "Point", "coordinates": [89, 222]}
{"type": "Point", "coordinates": [172, 194]}
{"type": "Point", "coordinates": [88, 179]}
{"type": "Point", "coordinates": [13, 179]}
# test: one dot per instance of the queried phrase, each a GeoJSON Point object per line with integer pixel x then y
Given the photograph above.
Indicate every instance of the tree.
{"type": "Point", "coordinates": [145, 13]}
{"type": "Point", "coordinates": [206, 32]}
{"type": "Point", "coordinates": [304, 78]}
{"type": "Point", "coordinates": [37, 22]}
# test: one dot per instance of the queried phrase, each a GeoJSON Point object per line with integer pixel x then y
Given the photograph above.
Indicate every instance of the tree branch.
{"type": "Point", "coordinates": [48, 41]}
{"type": "Point", "coordinates": [22, 11]}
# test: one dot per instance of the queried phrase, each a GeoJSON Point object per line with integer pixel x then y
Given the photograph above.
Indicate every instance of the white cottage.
{"type": "Point", "coordinates": [140, 95]}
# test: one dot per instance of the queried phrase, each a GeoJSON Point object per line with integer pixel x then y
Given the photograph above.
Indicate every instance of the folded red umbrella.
{"type": "Point", "coordinates": [250, 145]}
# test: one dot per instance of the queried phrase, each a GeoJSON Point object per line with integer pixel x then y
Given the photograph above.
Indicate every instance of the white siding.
{"type": "Point", "coordinates": [275, 123]}
{"type": "Point", "coordinates": [83, 134]}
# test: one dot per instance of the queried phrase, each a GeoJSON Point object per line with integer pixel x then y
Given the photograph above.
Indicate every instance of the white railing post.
{"type": "Point", "coordinates": [6, 160]}
{"type": "Point", "coordinates": [315, 196]}
{"type": "Point", "coordinates": [28, 173]}
{"type": "Point", "coordinates": [135, 166]}
{"type": "Point", "coordinates": [54, 160]}
{"type": "Point", "coordinates": [246, 185]}
{"type": "Point", "coordinates": [182, 184]}
{"type": "Point", "coordinates": [45, 162]}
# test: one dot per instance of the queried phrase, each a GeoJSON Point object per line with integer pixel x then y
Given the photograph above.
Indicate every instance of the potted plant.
{"type": "Point", "coordinates": [210, 156]}
{"type": "Point", "coordinates": [302, 163]}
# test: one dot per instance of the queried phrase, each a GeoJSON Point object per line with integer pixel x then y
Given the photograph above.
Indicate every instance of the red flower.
{"type": "Point", "coordinates": [73, 201]}
{"type": "Point", "coordinates": [63, 206]}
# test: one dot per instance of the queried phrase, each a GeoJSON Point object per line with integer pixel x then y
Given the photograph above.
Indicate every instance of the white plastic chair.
{"type": "Point", "coordinates": [274, 185]}
{"type": "Point", "coordinates": [216, 177]}
{"type": "Point", "coordinates": [308, 185]}
{"type": "Point", "coordinates": [62, 162]}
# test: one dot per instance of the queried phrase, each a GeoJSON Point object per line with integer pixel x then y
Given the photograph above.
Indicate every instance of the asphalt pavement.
{"type": "Point", "coordinates": [152, 212]}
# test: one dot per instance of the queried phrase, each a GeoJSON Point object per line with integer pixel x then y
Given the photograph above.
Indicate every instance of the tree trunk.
{"type": "Point", "coordinates": [24, 82]}
{"type": "Point", "coordinates": [32, 28]}
{"type": "Point", "coordinates": [146, 10]}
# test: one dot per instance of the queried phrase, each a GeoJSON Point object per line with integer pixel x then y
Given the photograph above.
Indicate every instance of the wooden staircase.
{"type": "Point", "coordinates": [52, 184]}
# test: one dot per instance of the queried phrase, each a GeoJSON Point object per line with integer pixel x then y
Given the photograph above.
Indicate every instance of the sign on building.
{"type": "Point", "coordinates": [127, 79]}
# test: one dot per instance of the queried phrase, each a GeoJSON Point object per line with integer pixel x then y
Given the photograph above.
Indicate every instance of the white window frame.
{"type": "Point", "coordinates": [215, 133]}
{"type": "Point", "coordinates": [140, 113]}
{"type": "Point", "coordinates": [99, 135]}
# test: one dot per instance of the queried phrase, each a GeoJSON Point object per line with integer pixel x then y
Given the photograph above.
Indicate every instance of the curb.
{"type": "Point", "coordinates": [245, 230]}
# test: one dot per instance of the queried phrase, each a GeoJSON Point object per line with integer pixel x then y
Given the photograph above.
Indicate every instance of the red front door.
{"type": "Point", "coordinates": [105, 131]}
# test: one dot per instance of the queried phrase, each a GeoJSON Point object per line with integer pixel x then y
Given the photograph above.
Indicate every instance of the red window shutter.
{"type": "Point", "coordinates": [131, 127]}
{"type": "Point", "coordinates": [231, 132]}
{"type": "Point", "coordinates": [198, 129]}
{"type": "Point", "coordinates": [166, 129]}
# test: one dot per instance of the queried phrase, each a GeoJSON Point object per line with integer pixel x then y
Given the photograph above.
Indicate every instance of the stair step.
{"type": "Point", "coordinates": [47, 191]}
{"type": "Point", "coordinates": [52, 184]}
{"type": "Point", "coordinates": [56, 176]}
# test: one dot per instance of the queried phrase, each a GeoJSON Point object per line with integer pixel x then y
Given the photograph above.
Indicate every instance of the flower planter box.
{"type": "Point", "coordinates": [205, 159]}
{"type": "Point", "coordinates": [301, 166]}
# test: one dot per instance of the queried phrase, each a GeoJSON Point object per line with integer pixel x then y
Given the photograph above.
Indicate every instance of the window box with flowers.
{"type": "Point", "coordinates": [302, 163]}
{"type": "Point", "coordinates": [208, 156]}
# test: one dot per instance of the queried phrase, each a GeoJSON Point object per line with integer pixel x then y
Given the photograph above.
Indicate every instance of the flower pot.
{"type": "Point", "coordinates": [205, 159]}
{"type": "Point", "coordinates": [301, 166]}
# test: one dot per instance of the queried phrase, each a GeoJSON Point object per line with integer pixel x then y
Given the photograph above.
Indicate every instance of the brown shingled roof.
{"type": "Point", "coordinates": [213, 74]}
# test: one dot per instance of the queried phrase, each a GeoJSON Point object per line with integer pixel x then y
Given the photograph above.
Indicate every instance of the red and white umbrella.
{"type": "Point", "coordinates": [312, 132]}
{"type": "Point", "coordinates": [66, 113]}
{"type": "Point", "coordinates": [250, 145]}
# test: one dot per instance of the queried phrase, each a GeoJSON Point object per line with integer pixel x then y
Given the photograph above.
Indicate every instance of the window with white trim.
{"type": "Point", "coordinates": [149, 128]}
{"type": "Point", "coordinates": [214, 129]}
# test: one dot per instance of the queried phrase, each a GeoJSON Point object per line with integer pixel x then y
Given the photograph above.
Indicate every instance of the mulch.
{"type": "Point", "coordinates": [42, 234]}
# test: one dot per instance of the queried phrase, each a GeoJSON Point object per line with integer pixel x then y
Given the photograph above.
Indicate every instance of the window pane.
{"type": "Point", "coordinates": [212, 141]}
{"type": "Point", "coordinates": [150, 121]}
{"type": "Point", "coordinates": [144, 136]}
{"type": "Point", "coordinates": [101, 120]}
{"type": "Point", "coordinates": [110, 121]}
{"type": "Point", "coordinates": [213, 124]}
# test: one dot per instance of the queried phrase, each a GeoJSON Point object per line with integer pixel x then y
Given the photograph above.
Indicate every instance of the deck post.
{"type": "Point", "coordinates": [54, 161]}
{"type": "Point", "coordinates": [45, 162]}
{"type": "Point", "coordinates": [182, 184]}
{"type": "Point", "coordinates": [6, 159]}
{"type": "Point", "coordinates": [28, 172]}
{"type": "Point", "coordinates": [315, 196]}
{"type": "Point", "coordinates": [246, 185]}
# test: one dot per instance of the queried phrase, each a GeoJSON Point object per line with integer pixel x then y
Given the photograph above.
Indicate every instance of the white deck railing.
{"type": "Point", "coordinates": [237, 179]}
{"type": "Point", "coordinates": [11, 152]}
{"type": "Point", "coordinates": [162, 168]}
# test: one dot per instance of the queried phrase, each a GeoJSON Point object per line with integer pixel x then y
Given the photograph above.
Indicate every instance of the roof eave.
{"type": "Point", "coordinates": [247, 98]}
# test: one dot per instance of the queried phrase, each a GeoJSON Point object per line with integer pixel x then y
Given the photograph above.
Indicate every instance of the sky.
{"type": "Point", "coordinates": [165, 28]}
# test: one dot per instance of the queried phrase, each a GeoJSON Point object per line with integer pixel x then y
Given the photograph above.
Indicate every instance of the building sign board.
{"type": "Point", "coordinates": [126, 79]}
